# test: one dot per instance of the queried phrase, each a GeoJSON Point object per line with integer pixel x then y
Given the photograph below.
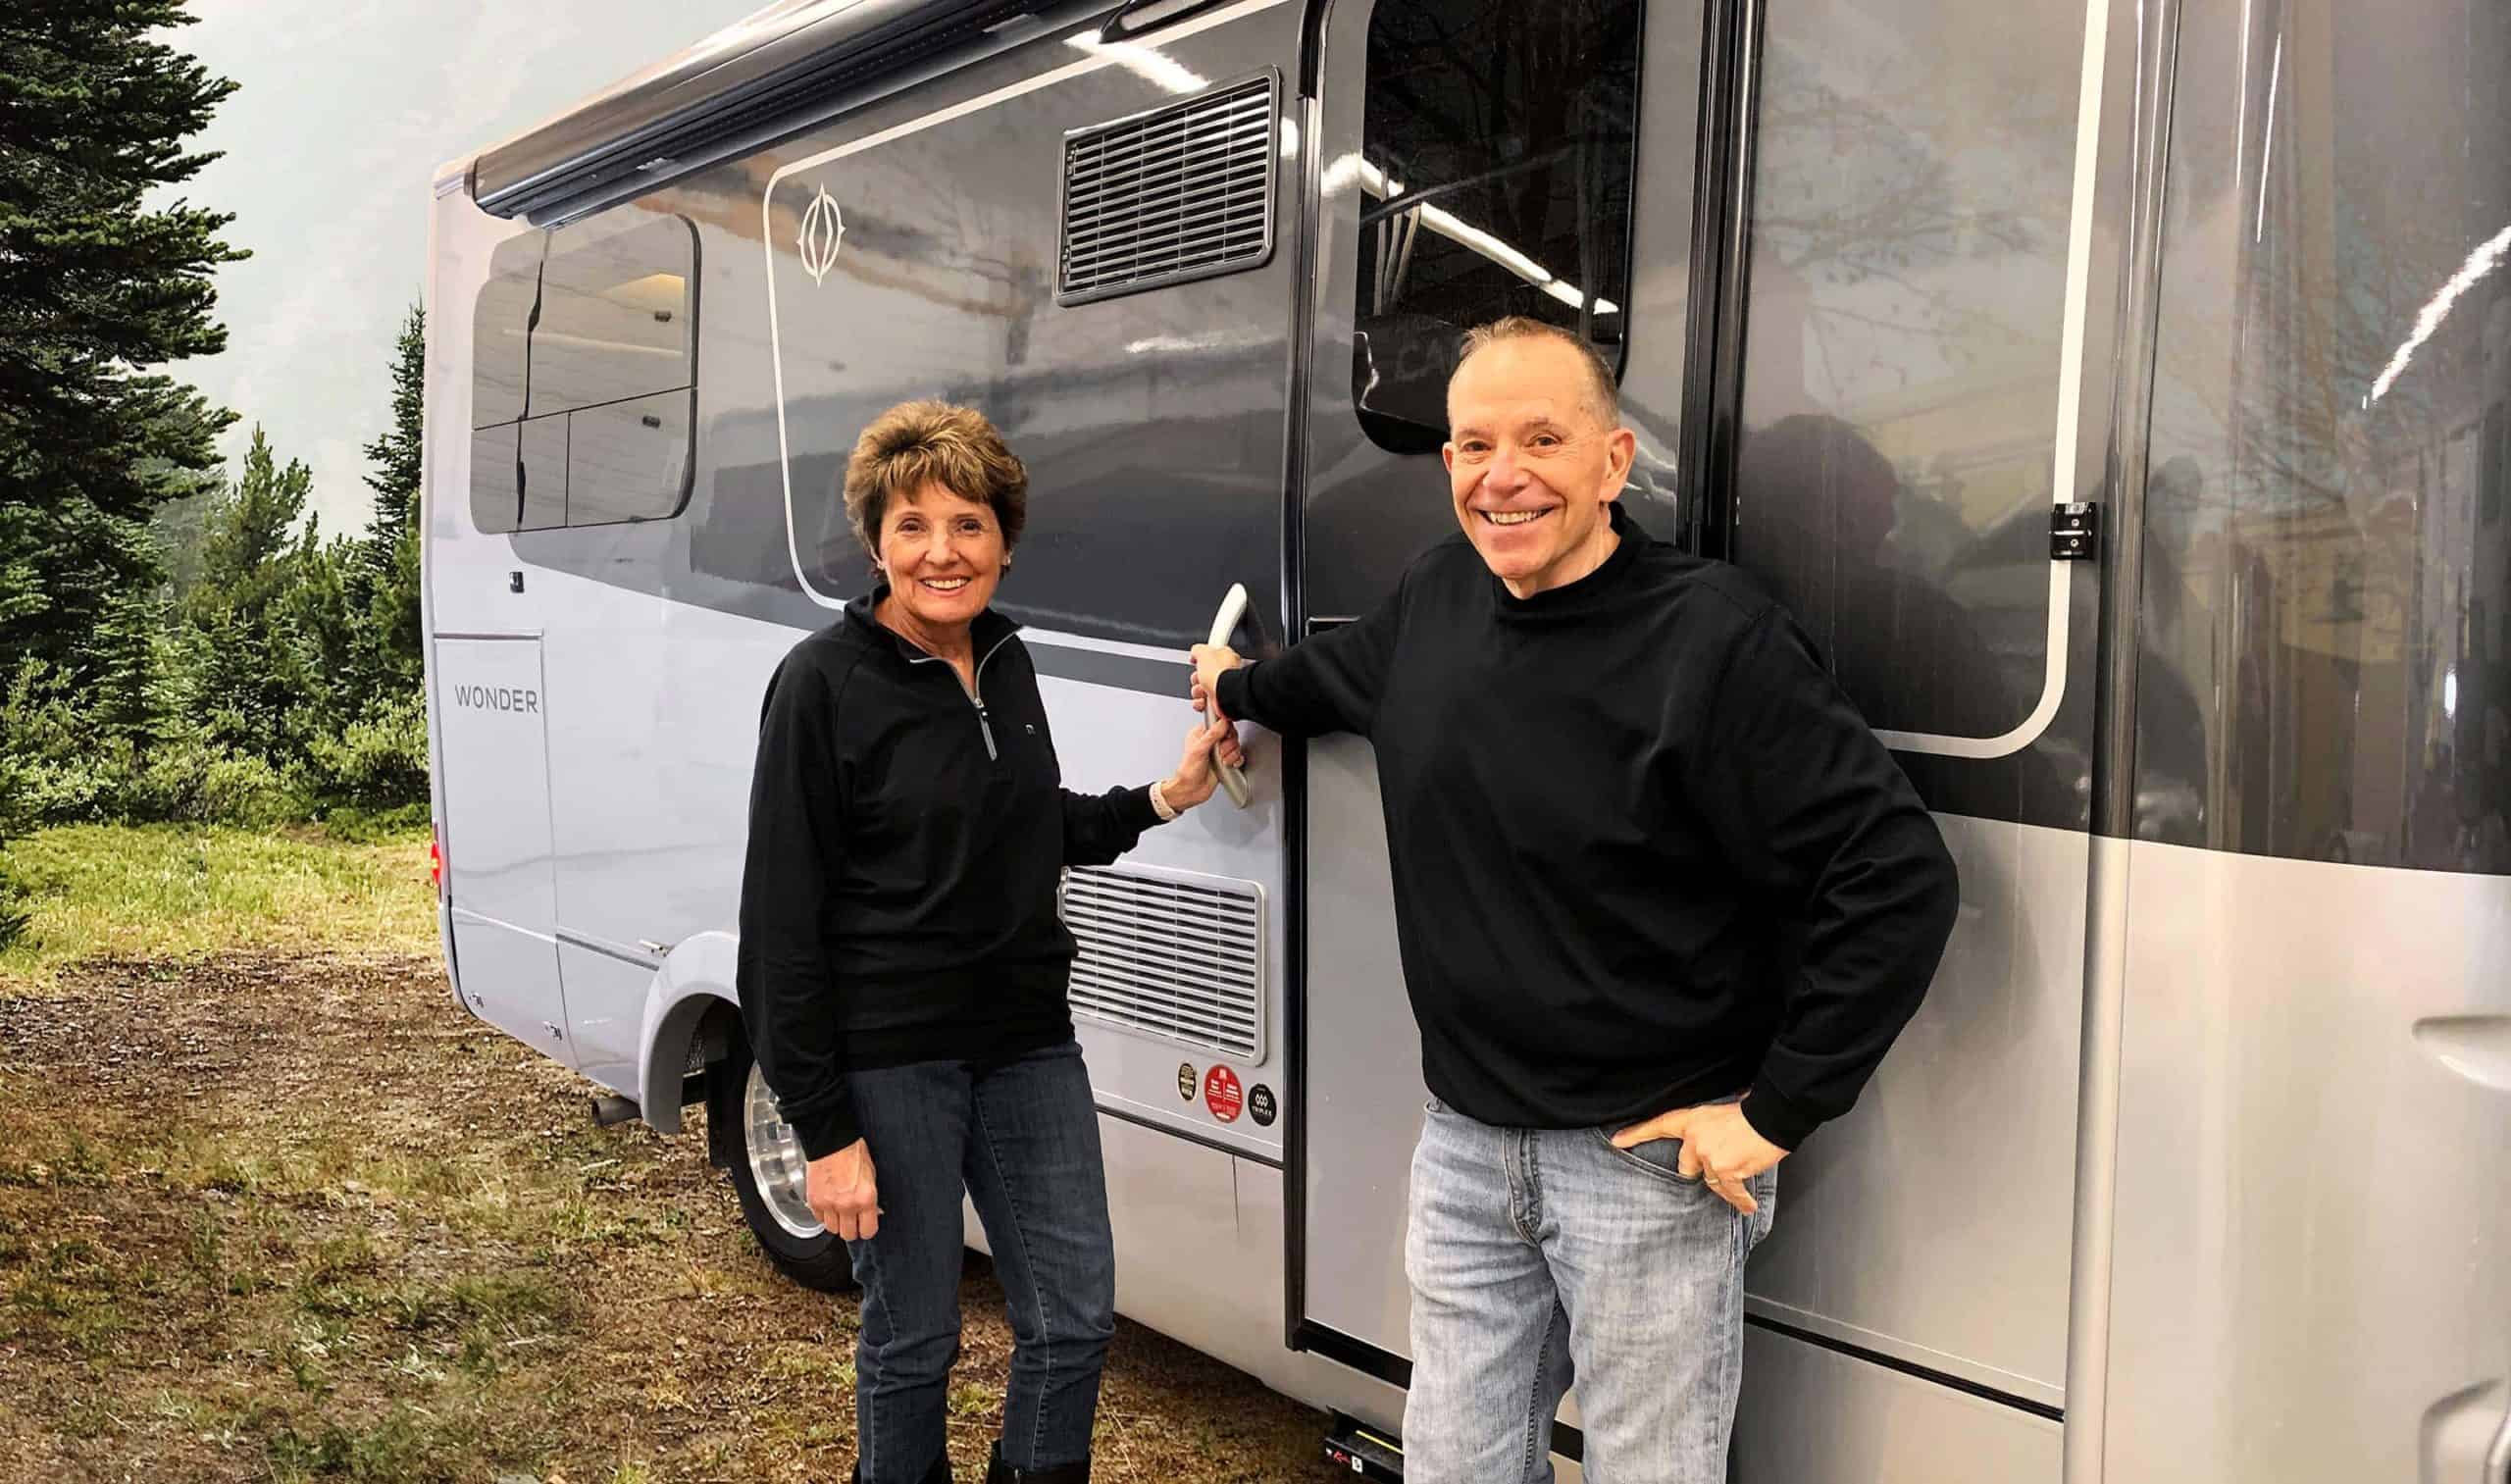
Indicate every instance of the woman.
{"type": "Point", "coordinates": [902, 966]}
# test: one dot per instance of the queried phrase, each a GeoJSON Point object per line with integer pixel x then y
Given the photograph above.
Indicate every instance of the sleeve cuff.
{"type": "Point", "coordinates": [825, 1130]}
{"type": "Point", "coordinates": [1777, 1117]}
{"type": "Point", "coordinates": [1138, 815]}
{"type": "Point", "coordinates": [1233, 693]}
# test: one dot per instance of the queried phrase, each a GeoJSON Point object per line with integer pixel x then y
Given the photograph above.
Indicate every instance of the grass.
{"type": "Point", "coordinates": [178, 893]}
{"type": "Point", "coordinates": [273, 1207]}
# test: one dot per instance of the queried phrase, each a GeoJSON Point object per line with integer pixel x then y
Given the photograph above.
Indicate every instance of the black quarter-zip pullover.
{"type": "Point", "coordinates": [1645, 852]}
{"type": "Point", "coordinates": [905, 843]}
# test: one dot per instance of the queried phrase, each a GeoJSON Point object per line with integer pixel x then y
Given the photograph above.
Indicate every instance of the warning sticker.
{"type": "Point", "coordinates": [1186, 1080]}
{"type": "Point", "coordinates": [1260, 1106]}
{"type": "Point", "coordinates": [1221, 1094]}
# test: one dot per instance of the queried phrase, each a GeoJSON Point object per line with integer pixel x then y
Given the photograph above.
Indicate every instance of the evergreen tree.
{"type": "Point", "coordinates": [252, 676]}
{"type": "Point", "coordinates": [388, 584]}
{"type": "Point", "coordinates": [396, 450]}
{"type": "Point", "coordinates": [94, 289]}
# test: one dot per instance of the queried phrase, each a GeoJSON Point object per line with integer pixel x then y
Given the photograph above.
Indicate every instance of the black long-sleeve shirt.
{"type": "Point", "coordinates": [898, 889]}
{"type": "Point", "coordinates": [1645, 852]}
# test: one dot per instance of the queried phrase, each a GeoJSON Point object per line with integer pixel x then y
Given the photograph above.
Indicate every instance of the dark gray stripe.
{"type": "Point", "coordinates": [1097, 667]}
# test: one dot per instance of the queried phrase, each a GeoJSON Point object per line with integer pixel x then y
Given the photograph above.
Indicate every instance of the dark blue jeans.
{"type": "Point", "coordinates": [1022, 1139]}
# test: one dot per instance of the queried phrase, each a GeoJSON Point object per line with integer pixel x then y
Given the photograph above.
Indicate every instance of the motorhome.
{"type": "Point", "coordinates": [2116, 388]}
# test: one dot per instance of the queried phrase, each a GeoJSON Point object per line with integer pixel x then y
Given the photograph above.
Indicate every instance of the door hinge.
{"type": "Point", "coordinates": [2074, 532]}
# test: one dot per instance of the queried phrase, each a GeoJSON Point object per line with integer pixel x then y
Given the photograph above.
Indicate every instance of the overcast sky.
{"type": "Point", "coordinates": [346, 109]}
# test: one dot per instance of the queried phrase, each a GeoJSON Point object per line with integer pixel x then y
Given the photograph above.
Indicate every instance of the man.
{"type": "Point", "coordinates": [1664, 903]}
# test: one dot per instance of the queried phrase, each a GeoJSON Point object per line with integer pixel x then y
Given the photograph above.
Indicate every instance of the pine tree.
{"type": "Point", "coordinates": [94, 290]}
{"type": "Point", "coordinates": [252, 675]}
{"type": "Point", "coordinates": [396, 450]}
{"type": "Point", "coordinates": [388, 586]}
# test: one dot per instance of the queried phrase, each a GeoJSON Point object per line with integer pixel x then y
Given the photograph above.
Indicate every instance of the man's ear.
{"type": "Point", "coordinates": [1447, 456]}
{"type": "Point", "coordinates": [1622, 451]}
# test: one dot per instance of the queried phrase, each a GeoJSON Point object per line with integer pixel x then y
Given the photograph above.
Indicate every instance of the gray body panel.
{"type": "Point", "coordinates": [2314, 1184]}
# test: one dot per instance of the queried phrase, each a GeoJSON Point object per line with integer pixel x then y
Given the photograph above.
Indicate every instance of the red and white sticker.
{"type": "Point", "coordinates": [1222, 1094]}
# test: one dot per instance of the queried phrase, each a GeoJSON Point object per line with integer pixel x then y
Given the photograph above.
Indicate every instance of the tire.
{"type": "Point", "coordinates": [794, 1240]}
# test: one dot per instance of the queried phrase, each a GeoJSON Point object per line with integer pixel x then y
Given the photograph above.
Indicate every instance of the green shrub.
{"type": "Point", "coordinates": [380, 761]}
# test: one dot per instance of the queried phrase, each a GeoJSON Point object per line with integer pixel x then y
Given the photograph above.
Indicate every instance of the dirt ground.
{"type": "Point", "coordinates": [296, 1217]}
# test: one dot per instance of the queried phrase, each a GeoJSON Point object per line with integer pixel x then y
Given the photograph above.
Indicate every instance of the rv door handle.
{"type": "Point", "coordinates": [1233, 608]}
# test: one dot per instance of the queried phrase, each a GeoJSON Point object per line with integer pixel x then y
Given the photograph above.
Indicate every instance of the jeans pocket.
{"type": "Point", "coordinates": [1661, 1158]}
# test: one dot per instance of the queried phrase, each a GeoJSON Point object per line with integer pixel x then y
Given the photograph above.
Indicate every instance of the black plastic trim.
{"type": "Point", "coordinates": [1302, 225]}
{"type": "Point", "coordinates": [669, 119]}
{"type": "Point", "coordinates": [1116, 31]}
{"type": "Point", "coordinates": [1946, 1379]}
{"type": "Point", "coordinates": [1722, 249]}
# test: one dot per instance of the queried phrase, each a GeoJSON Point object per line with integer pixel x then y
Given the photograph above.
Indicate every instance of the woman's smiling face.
{"type": "Point", "coordinates": [943, 554]}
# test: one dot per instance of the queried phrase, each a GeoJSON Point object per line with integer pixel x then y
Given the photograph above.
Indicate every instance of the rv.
{"type": "Point", "coordinates": [2116, 388]}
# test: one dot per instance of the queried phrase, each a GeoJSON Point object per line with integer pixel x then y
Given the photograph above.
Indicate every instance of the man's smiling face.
{"type": "Point", "coordinates": [1532, 461]}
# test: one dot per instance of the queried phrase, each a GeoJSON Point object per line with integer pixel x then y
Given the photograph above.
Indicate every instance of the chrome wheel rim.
{"type": "Point", "coordinates": [777, 1166]}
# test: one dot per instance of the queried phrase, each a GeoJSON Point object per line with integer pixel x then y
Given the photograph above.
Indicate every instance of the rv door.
{"type": "Point", "coordinates": [495, 767]}
{"type": "Point", "coordinates": [1889, 411]}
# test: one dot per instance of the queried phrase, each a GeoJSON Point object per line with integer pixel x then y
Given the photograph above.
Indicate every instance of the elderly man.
{"type": "Point", "coordinates": [1664, 903]}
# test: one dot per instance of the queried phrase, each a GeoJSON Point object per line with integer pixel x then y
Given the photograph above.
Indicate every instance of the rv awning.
{"type": "Point", "coordinates": [735, 82]}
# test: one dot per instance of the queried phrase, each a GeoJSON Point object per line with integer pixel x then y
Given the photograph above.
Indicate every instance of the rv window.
{"type": "Point", "coordinates": [1912, 189]}
{"type": "Point", "coordinates": [615, 316]}
{"type": "Point", "coordinates": [628, 461]}
{"type": "Point", "coordinates": [544, 473]}
{"type": "Point", "coordinates": [496, 479]}
{"type": "Point", "coordinates": [501, 320]}
{"type": "Point", "coordinates": [584, 350]}
{"type": "Point", "coordinates": [1495, 171]}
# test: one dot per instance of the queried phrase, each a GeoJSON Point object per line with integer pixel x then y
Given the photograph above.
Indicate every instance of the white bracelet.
{"type": "Point", "coordinates": [1160, 806]}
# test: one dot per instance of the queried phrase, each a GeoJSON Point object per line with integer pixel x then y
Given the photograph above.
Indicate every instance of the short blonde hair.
{"type": "Point", "coordinates": [1603, 397]}
{"type": "Point", "coordinates": [918, 444]}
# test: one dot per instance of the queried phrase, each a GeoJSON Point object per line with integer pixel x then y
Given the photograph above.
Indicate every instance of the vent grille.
{"type": "Point", "coordinates": [1185, 193]}
{"type": "Point", "coordinates": [1170, 953]}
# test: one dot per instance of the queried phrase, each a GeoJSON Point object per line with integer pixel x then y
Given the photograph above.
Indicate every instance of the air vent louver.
{"type": "Point", "coordinates": [1170, 953]}
{"type": "Point", "coordinates": [1183, 192]}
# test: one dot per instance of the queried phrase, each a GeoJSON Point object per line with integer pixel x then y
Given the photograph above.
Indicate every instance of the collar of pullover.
{"type": "Point", "coordinates": [985, 630]}
{"type": "Point", "coordinates": [1589, 593]}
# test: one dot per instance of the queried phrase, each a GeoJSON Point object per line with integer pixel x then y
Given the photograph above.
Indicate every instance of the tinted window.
{"type": "Point", "coordinates": [544, 473]}
{"type": "Point", "coordinates": [614, 315]}
{"type": "Point", "coordinates": [1495, 171]}
{"type": "Point", "coordinates": [628, 461]}
{"type": "Point", "coordinates": [496, 478]}
{"type": "Point", "coordinates": [1910, 201]}
{"type": "Point", "coordinates": [500, 322]}
{"type": "Point", "coordinates": [584, 348]}
{"type": "Point", "coordinates": [2326, 561]}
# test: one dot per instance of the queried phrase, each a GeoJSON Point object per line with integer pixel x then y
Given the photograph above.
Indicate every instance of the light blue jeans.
{"type": "Point", "coordinates": [1540, 1255]}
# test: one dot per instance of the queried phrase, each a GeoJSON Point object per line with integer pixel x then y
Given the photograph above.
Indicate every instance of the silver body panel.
{"type": "Point", "coordinates": [1934, 1224]}
{"type": "Point", "coordinates": [2313, 1201]}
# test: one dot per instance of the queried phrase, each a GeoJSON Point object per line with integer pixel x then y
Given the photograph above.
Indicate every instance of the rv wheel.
{"type": "Point", "coordinates": [760, 1151]}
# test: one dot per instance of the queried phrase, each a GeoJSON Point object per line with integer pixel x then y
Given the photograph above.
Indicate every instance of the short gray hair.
{"type": "Point", "coordinates": [1603, 397]}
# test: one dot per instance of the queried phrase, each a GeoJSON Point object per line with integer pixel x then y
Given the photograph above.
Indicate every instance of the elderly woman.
{"type": "Point", "coordinates": [902, 968]}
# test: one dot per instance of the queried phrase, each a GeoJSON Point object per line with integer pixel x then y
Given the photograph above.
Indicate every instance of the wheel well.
{"type": "Point", "coordinates": [699, 1033]}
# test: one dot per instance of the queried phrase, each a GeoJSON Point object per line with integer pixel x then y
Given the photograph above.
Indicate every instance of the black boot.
{"type": "Point", "coordinates": [939, 1474]}
{"type": "Point", "coordinates": [998, 1472]}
